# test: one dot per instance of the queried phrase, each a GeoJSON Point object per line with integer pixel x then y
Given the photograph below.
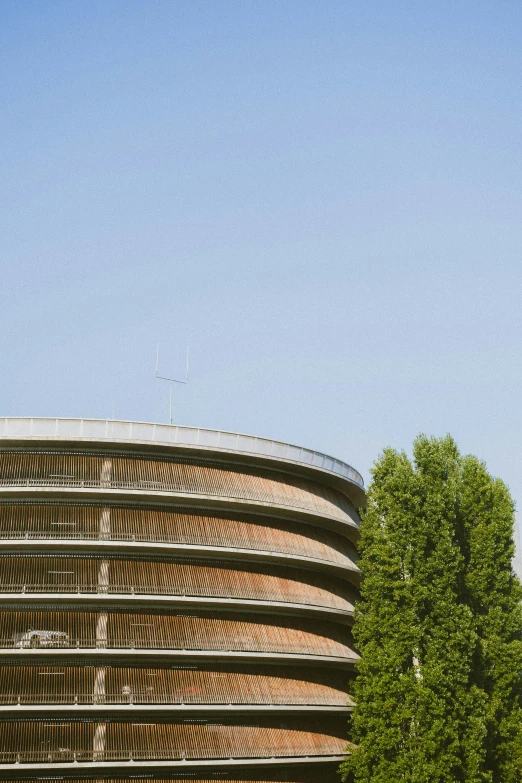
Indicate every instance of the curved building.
{"type": "Point", "coordinates": [176, 604]}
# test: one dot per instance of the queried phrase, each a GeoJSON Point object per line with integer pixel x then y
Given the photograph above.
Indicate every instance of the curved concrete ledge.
{"type": "Point", "coordinates": [136, 711]}
{"type": "Point", "coordinates": [178, 439]}
{"type": "Point", "coordinates": [129, 767]}
{"type": "Point", "coordinates": [179, 500]}
{"type": "Point", "coordinates": [99, 656]}
{"type": "Point", "coordinates": [146, 601]}
{"type": "Point", "coordinates": [348, 571]}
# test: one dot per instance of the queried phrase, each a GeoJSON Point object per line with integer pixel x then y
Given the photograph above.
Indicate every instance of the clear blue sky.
{"type": "Point", "coordinates": [322, 196]}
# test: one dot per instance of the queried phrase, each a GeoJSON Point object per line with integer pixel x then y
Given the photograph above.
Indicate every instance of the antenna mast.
{"type": "Point", "coordinates": [172, 381]}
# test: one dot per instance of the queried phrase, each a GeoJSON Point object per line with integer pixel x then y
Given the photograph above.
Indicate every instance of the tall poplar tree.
{"type": "Point", "coordinates": [438, 626]}
{"type": "Point", "coordinates": [496, 601]}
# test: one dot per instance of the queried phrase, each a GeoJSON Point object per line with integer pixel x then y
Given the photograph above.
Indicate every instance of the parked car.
{"type": "Point", "coordinates": [33, 638]}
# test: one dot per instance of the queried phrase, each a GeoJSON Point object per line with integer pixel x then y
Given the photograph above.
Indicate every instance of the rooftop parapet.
{"type": "Point", "coordinates": [164, 435]}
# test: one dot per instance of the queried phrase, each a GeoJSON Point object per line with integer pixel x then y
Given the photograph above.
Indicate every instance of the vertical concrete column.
{"type": "Point", "coordinates": [106, 472]}
{"type": "Point", "coordinates": [101, 630]}
{"type": "Point", "coordinates": [99, 685]}
{"type": "Point", "coordinates": [103, 576]}
{"type": "Point", "coordinates": [104, 525]}
{"type": "Point", "coordinates": [98, 745]}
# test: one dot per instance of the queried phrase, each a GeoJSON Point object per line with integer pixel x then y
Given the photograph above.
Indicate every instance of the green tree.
{"type": "Point", "coordinates": [496, 600]}
{"type": "Point", "coordinates": [438, 626]}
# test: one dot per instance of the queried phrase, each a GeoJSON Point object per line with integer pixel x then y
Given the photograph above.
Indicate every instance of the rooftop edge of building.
{"type": "Point", "coordinates": [193, 441]}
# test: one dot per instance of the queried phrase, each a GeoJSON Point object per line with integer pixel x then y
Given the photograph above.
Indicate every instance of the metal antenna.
{"type": "Point", "coordinates": [172, 381]}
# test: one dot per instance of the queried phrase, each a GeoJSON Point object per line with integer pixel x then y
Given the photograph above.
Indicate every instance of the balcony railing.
{"type": "Point", "coordinates": [336, 603]}
{"type": "Point", "coordinates": [158, 486]}
{"type": "Point", "coordinates": [215, 543]}
{"type": "Point", "coordinates": [177, 699]}
{"type": "Point", "coordinates": [154, 644]}
{"type": "Point", "coordinates": [66, 755]}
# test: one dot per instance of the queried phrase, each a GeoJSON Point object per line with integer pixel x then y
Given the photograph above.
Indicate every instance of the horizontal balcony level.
{"type": "Point", "coordinates": [137, 710]}
{"type": "Point", "coordinates": [19, 767]}
{"type": "Point", "coordinates": [23, 545]}
{"type": "Point", "coordinates": [100, 655]}
{"type": "Point", "coordinates": [78, 600]}
{"type": "Point", "coordinates": [132, 494]}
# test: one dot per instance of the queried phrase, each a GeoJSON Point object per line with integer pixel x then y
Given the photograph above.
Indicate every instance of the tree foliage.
{"type": "Point", "coordinates": [439, 625]}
